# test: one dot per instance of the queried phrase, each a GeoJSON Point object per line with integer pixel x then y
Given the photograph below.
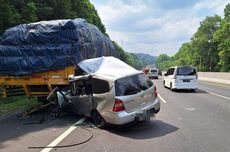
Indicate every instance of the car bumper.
{"type": "Point", "coordinates": [184, 86]}
{"type": "Point", "coordinates": [153, 77]}
{"type": "Point", "coordinates": [123, 117]}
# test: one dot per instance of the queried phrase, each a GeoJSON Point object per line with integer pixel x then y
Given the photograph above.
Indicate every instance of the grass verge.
{"type": "Point", "coordinates": [11, 104]}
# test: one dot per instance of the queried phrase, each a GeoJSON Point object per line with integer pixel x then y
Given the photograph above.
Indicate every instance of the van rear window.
{"type": "Point", "coordinates": [153, 70]}
{"type": "Point", "coordinates": [132, 85]}
{"type": "Point", "coordinates": [186, 71]}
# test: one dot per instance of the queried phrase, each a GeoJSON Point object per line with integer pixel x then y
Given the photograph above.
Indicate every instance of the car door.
{"type": "Point", "coordinates": [169, 76]}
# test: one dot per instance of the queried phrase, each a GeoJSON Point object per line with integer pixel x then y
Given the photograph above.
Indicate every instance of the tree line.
{"type": "Point", "coordinates": [208, 49]}
{"type": "Point", "coordinates": [14, 12]}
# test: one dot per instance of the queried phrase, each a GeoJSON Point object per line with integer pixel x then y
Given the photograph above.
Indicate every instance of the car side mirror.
{"type": "Point", "coordinates": [165, 74]}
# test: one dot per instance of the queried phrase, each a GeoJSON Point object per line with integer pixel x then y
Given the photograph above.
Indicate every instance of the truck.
{"type": "Point", "coordinates": [37, 57]}
{"type": "Point", "coordinates": [38, 84]}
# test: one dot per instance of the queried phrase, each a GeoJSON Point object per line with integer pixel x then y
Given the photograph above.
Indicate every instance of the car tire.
{"type": "Point", "coordinates": [164, 84]}
{"type": "Point", "coordinates": [193, 90]}
{"type": "Point", "coordinates": [171, 87]}
{"type": "Point", "coordinates": [157, 111]}
{"type": "Point", "coordinates": [98, 119]}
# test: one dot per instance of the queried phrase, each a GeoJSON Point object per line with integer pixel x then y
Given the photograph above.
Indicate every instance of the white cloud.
{"type": "Point", "coordinates": [154, 27]}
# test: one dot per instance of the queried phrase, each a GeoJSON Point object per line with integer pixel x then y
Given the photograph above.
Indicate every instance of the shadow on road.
{"type": "Point", "coordinates": [14, 128]}
{"type": "Point", "coordinates": [144, 130]}
{"type": "Point", "coordinates": [189, 91]}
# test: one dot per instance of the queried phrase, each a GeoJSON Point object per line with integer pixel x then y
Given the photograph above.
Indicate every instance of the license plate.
{"type": "Point", "coordinates": [186, 80]}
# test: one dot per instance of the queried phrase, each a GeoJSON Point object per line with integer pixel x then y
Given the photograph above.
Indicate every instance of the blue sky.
{"type": "Point", "coordinates": [154, 26]}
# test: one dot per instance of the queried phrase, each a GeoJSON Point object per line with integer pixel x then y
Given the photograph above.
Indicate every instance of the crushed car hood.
{"type": "Point", "coordinates": [109, 66]}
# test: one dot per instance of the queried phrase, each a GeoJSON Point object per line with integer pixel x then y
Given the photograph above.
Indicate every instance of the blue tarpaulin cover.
{"type": "Point", "coordinates": [51, 45]}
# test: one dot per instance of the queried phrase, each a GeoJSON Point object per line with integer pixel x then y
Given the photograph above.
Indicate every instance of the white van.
{"type": "Point", "coordinates": [181, 77]}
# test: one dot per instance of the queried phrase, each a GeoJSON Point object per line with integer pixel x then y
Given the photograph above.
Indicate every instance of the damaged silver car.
{"type": "Point", "coordinates": [109, 91]}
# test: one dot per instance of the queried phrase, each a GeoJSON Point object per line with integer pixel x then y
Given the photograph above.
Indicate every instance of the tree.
{"type": "Point", "coordinates": [222, 38]}
{"type": "Point", "coordinates": [205, 48]}
{"type": "Point", "coordinates": [29, 13]}
{"type": "Point", "coordinates": [14, 12]}
{"type": "Point", "coordinates": [129, 58]}
{"type": "Point", "coordinates": [184, 55]}
{"type": "Point", "coordinates": [163, 62]}
{"type": "Point", "coordinates": [9, 15]}
{"type": "Point", "coordinates": [227, 13]}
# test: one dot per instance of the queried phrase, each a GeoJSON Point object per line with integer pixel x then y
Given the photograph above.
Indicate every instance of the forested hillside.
{"type": "Point", "coordinates": [209, 48]}
{"type": "Point", "coordinates": [15, 12]}
{"type": "Point", "coordinates": [146, 58]}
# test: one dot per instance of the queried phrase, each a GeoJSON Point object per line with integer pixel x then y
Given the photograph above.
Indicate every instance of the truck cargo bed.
{"type": "Point", "coordinates": [38, 84]}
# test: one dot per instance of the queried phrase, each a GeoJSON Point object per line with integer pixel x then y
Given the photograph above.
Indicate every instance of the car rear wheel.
{"type": "Point", "coordinates": [98, 119]}
{"type": "Point", "coordinates": [193, 90]}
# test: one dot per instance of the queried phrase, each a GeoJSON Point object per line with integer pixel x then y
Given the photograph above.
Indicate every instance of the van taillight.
{"type": "Point", "coordinates": [118, 105]}
{"type": "Point", "coordinates": [155, 91]}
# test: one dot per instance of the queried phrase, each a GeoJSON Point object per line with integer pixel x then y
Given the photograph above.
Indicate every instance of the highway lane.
{"type": "Point", "coordinates": [203, 118]}
{"type": "Point", "coordinates": [216, 88]}
{"type": "Point", "coordinates": [187, 122]}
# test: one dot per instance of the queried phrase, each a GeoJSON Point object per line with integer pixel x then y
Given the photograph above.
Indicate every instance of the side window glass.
{"type": "Point", "coordinates": [100, 86]}
{"type": "Point", "coordinates": [171, 71]}
{"type": "Point", "coordinates": [96, 86]}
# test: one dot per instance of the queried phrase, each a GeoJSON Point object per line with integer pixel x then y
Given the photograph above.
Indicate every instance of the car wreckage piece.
{"type": "Point", "coordinates": [109, 91]}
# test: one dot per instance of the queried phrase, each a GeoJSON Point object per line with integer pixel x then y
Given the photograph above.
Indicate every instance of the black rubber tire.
{"type": "Point", "coordinates": [164, 84]}
{"type": "Point", "coordinates": [156, 111]}
{"type": "Point", "coordinates": [193, 90]}
{"type": "Point", "coordinates": [171, 87]}
{"type": "Point", "coordinates": [98, 119]}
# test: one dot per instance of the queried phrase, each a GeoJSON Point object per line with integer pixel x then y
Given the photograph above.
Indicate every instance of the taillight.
{"type": "Point", "coordinates": [155, 91]}
{"type": "Point", "coordinates": [118, 105]}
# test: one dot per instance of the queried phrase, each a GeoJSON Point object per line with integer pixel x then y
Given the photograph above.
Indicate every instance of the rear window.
{"type": "Point", "coordinates": [132, 85]}
{"type": "Point", "coordinates": [186, 71]}
{"type": "Point", "coordinates": [153, 70]}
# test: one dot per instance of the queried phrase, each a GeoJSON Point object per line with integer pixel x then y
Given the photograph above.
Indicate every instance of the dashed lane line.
{"type": "Point", "coordinates": [161, 98]}
{"type": "Point", "coordinates": [63, 135]}
{"type": "Point", "coordinates": [215, 94]}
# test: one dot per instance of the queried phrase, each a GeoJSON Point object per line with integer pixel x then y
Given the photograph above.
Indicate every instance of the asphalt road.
{"type": "Point", "coordinates": [187, 122]}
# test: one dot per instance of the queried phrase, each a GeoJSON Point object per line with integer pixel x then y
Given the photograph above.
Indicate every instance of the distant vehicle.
{"type": "Point", "coordinates": [153, 73]}
{"type": "Point", "coordinates": [110, 92]}
{"type": "Point", "coordinates": [181, 77]}
{"type": "Point", "coordinates": [159, 73]}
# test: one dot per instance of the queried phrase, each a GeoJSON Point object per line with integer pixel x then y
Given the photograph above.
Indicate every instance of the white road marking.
{"type": "Point", "coordinates": [215, 94]}
{"type": "Point", "coordinates": [63, 135]}
{"type": "Point", "coordinates": [190, 109]}
{"type": "Point", "coordinates": [162, 99]}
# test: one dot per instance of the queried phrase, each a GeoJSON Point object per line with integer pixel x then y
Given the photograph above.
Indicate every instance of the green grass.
{"type": "Point", "coordinates": [11, 104]}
